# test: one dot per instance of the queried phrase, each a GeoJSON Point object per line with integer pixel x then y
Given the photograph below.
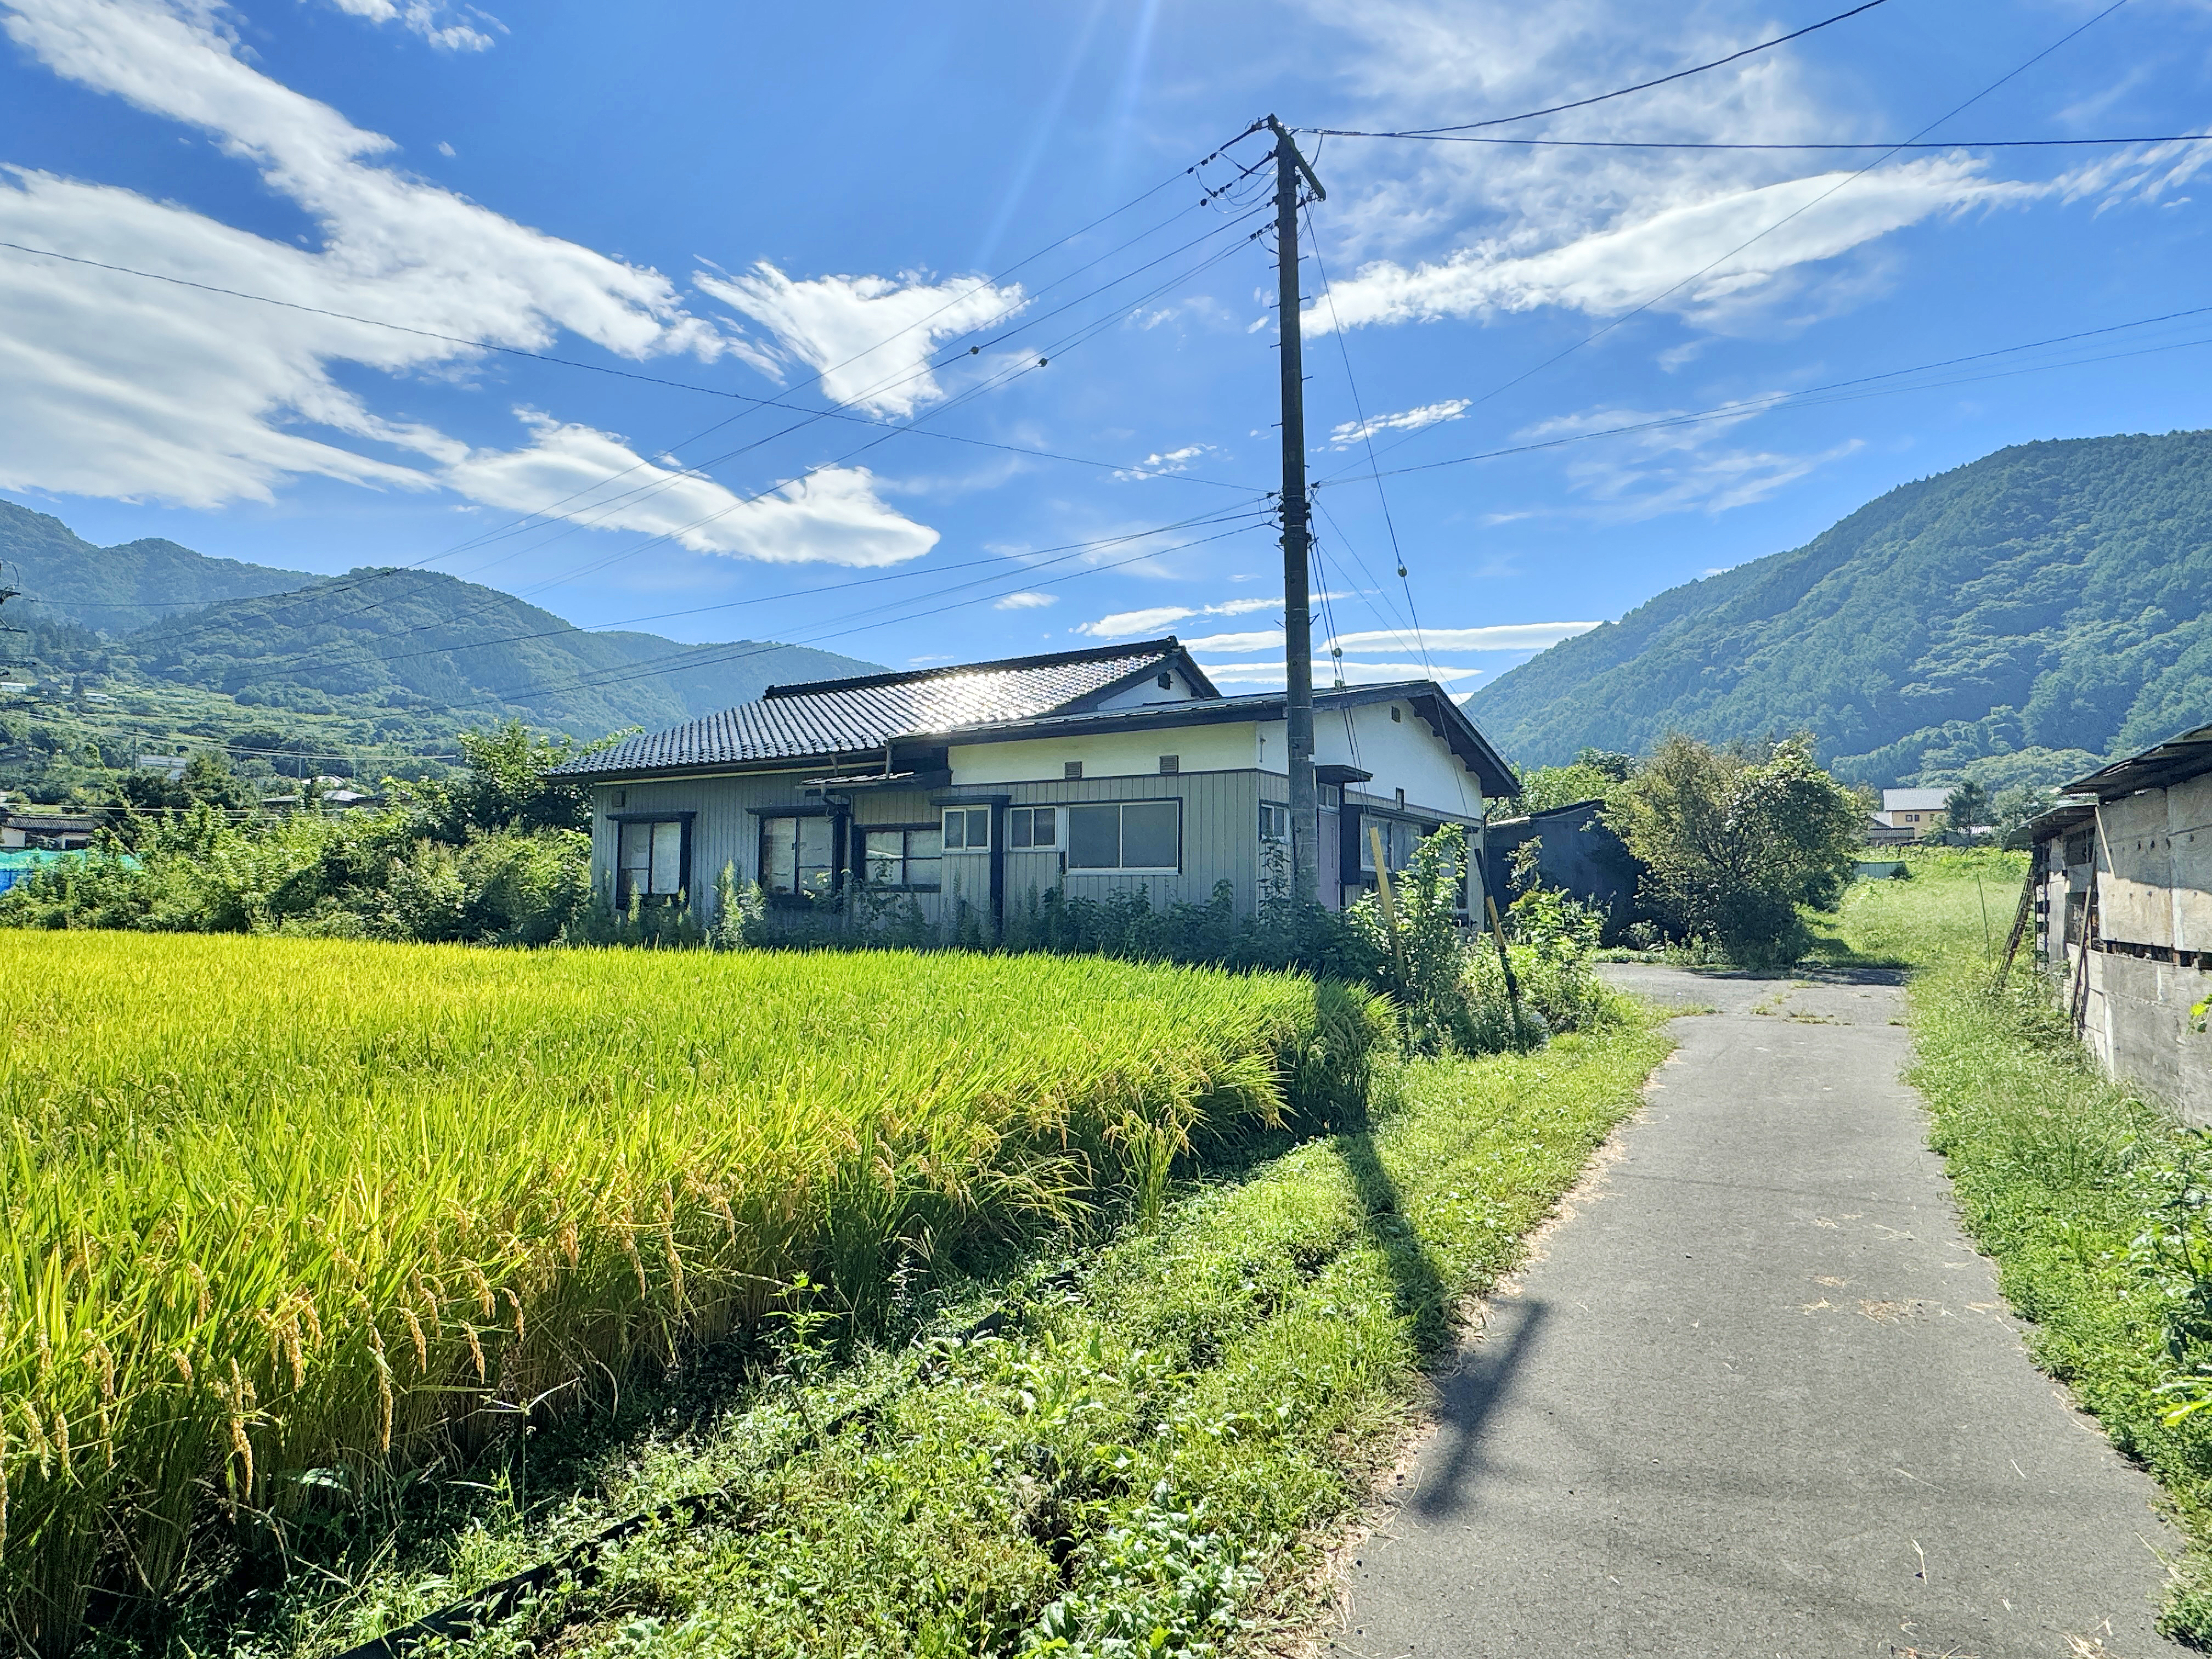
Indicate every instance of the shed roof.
{"type": "Point", "coordinates": [2184, 756]}
{"type": "Point", "coordinates": [822, 719]}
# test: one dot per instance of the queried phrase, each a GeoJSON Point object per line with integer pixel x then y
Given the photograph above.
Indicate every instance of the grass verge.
{"type": "Point", "coordinates": [2061, 1177]}
{"type": "Point", "coordinates": [1143, 1458]}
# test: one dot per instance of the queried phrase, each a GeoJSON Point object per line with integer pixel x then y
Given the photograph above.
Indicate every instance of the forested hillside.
{"type": "Point", "coordinates": [65, 579]}
{"type": "Point", "coordinates": [2016, 619]}
{"type": "Point", "coordinates": [150, 647]}
{"type": "Point", "coordinates": [416, 640]}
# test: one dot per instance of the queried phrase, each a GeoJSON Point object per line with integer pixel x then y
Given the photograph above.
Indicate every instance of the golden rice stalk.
{"type": "Point", "coordinates": [421, 1343]}
{"type": "Point", "coordinates": [476, 1350]}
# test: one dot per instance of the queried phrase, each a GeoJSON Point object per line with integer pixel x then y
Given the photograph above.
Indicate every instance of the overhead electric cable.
{"type": "Point", "coordinates": [1644, 86]}
{"type": "Point", "coordinates": [1808, 397]}
{"type": "Point", "coordinates": [1794, 213]}
{"type": "Point", "coordinates": [1367, 437]}
{"type": "Point", "coordinates": [1687, 143]}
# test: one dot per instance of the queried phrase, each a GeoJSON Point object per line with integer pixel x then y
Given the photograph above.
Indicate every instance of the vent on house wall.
{"type": "Point", "coordinates": [1401, 800]}
{"type": "Point", "coordinates": [621, 797]}
{"type": "Point", "coordinates": [1397, 713]}
{"type": "Point", "coordinates": [1167, 682]}
{"type": "Point", "coordinates": [1071, 769]}
{"type": "Point", "coordinates": [1170, 763]}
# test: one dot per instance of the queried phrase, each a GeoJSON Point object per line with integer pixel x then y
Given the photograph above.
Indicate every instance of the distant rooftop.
{"type": "Point", "coordinates": [1915, 800]}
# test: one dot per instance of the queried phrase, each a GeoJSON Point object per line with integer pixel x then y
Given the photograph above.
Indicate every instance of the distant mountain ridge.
{"type": "Point", "coordinates": [115, 590]}
{"type": "Point", "coordinates": [404, 640]}
{"type": "Point", "coordinates": [2014, 619]}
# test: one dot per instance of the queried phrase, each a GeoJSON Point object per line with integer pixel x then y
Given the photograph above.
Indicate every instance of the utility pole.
{"type": "Point", "coordinates": [1298, 613]}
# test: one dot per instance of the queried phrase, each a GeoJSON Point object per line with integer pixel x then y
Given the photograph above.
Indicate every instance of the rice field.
{"type": "Point", "coordinates": [282, 1217]}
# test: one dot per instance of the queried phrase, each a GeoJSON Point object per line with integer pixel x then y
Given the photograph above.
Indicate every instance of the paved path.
{"type": "Point", "coordinates": [1759, 1396]}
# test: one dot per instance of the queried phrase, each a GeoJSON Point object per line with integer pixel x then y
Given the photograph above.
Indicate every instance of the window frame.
{"type": "Point", "coordinates": [623, 824]}
{"type": "Point", "coordinates": [1027, 815]}
{"type": "Point", "coordinates": [1118, 807]}
{"type": "Point", "coordinates": [765, 870]}
{"type": "Point", "coordinates": [1277, 808]}
{"type": "Point", "coordinates": [907, 857]}
{"type": "Point", "coordinates": [968, 815]}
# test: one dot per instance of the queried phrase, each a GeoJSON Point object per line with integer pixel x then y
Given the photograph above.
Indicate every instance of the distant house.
{"type": "Point", "coordinates": [170, 767]}
{"type": "Point", "coordinates": [1915, 812]}
{"type": "Point", "coordinates": [2122, 909]}
{"type": "Point", "coordinates": [1096, 772]}
{"type": "Point", "coordinates": [50, 832]}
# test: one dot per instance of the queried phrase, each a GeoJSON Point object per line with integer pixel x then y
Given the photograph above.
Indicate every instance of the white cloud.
{"type": "Point", "coordinates": [1616, 269]}
{"type": "Point", "coordinates": [1501, 636]}
{"type": "Point", "coordinates": [423, 17]}
{"type": "Point", "coordinates": [870, 338]}
{"type": "Point", "coordinates": [1263, 675]}
{"type": "Point", "coordinates": [1673, 469]}
{"type": "Point", "coordinates": [1410, 420]}
{"type": "Point", "coordinates": [1129, 624]}
{"type": "Point", "coordinates": [829, 517]}
{"type": "Point", "coordinates": [1235, 645]}
{"type": "Point", "coordinates": [119, 387]}
{"type": "Point", "coordinates": [1025, 601]}
{"type": "Point", "coordinates": [1170, 460]}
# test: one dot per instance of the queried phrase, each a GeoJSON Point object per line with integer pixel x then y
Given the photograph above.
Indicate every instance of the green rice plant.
{"type": "Point", "coordinates": [281, 1217]}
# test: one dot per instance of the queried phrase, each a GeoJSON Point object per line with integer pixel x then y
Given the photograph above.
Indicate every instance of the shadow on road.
{"type": "Point", "coordinates": [1475, 1389]}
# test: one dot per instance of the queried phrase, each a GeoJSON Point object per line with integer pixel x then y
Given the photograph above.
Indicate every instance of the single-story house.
{"type": "Point", "coordinates": [51, 831]}
{"type": "Point", "coordinates": [1917, 811]}
{"type": "Point", "coordinates": [2122, 908]}
{"type": "Point", "coordinates": [968, 787]}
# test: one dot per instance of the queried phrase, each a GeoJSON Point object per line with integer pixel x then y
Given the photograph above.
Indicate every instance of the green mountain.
{"type": "Point", "coordinates": [2013, 620]}
{"type": "Point", "coordinates": [405, 655]}
{"type": "Point", "coordinates": [419, 640]}
{"type": "Point", "coordinates": [65, 579]}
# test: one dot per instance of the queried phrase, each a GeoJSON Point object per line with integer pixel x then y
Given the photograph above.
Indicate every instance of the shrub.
{"type": "Point", "coordinates": [1733, 841]}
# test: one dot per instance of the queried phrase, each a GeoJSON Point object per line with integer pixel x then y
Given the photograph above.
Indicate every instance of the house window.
{"type": "Point", "coordinates": [1033, 827]}
{"type": "Point", "coordinates": [1274, 821]}
{"type": "Point", "coordinates": [903, 858]}
{"type": "Point", "coordinates": [1399, 839]}
{"type": "Point", "coordinates": [1396, 712]}
{"type": "Point", "coordinates": [1070, 770]}
{"type": "Point", "coordinates": [650, 864]}
{"type": "Point", "coordinates": [967, 829]}
{"type": "Point", "coordinates": [1169, 765]}
{"type": "Point", "coordinates": [1137, 835]}
{"type": "Point", "coordinates": [797, 854]}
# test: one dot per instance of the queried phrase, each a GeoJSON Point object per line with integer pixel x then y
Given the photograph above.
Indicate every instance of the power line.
{"type": "Point", "coordinates": [1641, 86]}
{"type": "Point", "coordinates": [1657, 143]}
{"type": "Point", "coordinates": [1367, 436]}
{"type": "Point", "coordinates": [1794, 212]}
{"type": "Point", "coordinates": [325, 589]}
{"type": "Point", "coordinates": [1810, 397]}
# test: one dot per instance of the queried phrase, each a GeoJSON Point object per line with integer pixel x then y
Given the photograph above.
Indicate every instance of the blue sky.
{"type": "Point", "coordinates": [829, 206]}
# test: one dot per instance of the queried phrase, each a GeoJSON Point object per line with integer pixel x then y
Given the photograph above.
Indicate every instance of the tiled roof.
{"type": "Point", "coordinates": [824, 718]}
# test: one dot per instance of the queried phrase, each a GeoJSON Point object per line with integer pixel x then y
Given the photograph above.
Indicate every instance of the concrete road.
{"type": "Point", "coordinates": [1759, 1396]}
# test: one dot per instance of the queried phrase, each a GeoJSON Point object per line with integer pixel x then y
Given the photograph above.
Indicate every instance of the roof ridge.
{"type": "Point", "coordinates": [908, 677]}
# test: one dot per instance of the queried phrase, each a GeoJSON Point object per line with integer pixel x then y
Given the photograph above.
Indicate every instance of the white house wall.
{"type": "Point", "coordinates": [1403, 754]}
{"type": "Point", "coordinates": [1113, 755]}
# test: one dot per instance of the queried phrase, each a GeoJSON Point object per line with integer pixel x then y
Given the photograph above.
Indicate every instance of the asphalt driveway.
{"type": "Point", "coordinates": [1759, 1396]}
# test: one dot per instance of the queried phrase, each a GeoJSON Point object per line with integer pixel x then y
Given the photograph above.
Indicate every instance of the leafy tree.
{"type": "Point", "coordinates": [1967, 809]}
{"type": "Point", "coordinates": [2010, 810]}
{"type": "Point", "coordinates": [510, 785]}
{"type": "Point", "coordinates": [1732, 841]}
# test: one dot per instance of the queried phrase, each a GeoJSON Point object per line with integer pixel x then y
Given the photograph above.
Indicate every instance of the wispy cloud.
{"type": "Point", "coordinates": [1500, 636]}
{"type": "Point", "coordinates": [1170, 461]}
{"type": "Point", "coordinates": [1675, 468]}
{"type": "Point", "coordinates": [870, 338]}
{"type": "Point", "coordinates": [121, 387]}
{"type": "Point", "coordinates": [829, 517]}
{"type": "Point", "coordinates": [1129, 624]}
{"type": "Point", "coordinates": [1262, 675]}
{"type": "Point", "coordinates": [1025, 601]}
{"type": "Point", "coordinates": [427, 19]}
{"type": "Point", "coordinates": [1410, 420]}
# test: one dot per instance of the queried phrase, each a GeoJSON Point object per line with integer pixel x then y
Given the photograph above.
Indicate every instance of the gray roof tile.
{"type": "Point", "coordinates": [826, 718]}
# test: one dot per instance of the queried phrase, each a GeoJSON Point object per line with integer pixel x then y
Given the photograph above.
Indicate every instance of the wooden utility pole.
{"type": "Point", "coordinates": [1297, 615]}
